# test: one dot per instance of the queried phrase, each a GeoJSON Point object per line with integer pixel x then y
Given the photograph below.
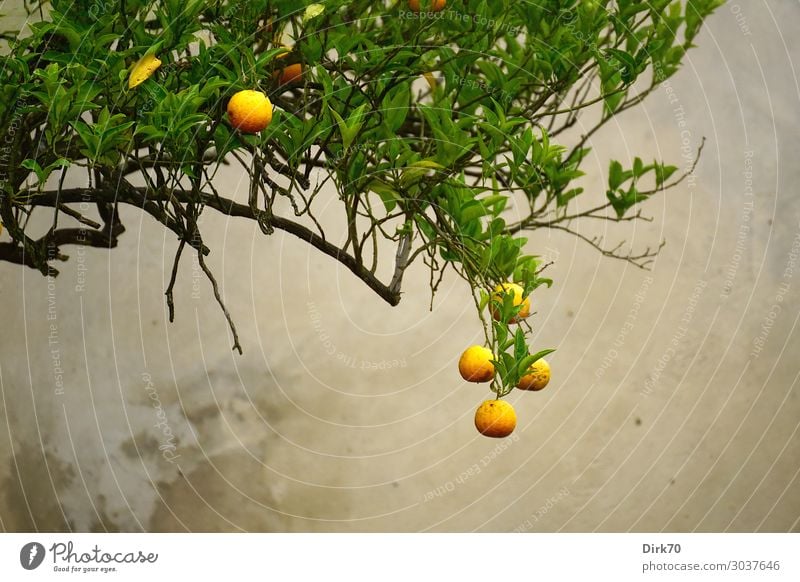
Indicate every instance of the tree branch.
{"type": "Point", "coordinates": [135, 195]}
{"type": "Point", "coordinates": [642, 260]}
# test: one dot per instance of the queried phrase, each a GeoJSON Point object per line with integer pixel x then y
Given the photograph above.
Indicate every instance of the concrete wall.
{"type": "Point", "coordinates": [344, 414]}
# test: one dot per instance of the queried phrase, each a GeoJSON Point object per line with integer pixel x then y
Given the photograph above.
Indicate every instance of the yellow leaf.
{"type": "Point", "coordinates": [430, 79]}
{"type": "Point", "coordinates": [312, 11]}
{"type": "Point", "coordinates": [142, 70]}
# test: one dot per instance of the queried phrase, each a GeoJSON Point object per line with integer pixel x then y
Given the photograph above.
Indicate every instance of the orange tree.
{"type": "Point", "coordinates": [430, 119]}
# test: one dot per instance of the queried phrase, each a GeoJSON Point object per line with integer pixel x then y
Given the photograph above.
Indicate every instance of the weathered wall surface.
{"type": "Point", "coordinates": [674, 403]}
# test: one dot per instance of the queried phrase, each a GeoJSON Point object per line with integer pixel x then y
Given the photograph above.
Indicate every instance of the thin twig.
{"type": "Point", "coordinates": [642, 260]}
{"type": "Point", "coordinates": [173, 277]}
{"type": "Point", "coordinates": [210, 275]}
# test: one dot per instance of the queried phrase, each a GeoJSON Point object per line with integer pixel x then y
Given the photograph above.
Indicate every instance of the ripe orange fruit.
{"type": "Point", "coordinates": [250, 111]}
{"type": "Point", "coordinates": [495, 418]}
{"type": "Point", "coordinates": [537, 377]}
{"type": "Point", "coordinates": [499, 293]}
{"type": "Point", "coordinates": [475, 364]}
{"type": "Point", "coordinates": [434, 5]}
{"type": "Point", "coordinates": [291, 73]}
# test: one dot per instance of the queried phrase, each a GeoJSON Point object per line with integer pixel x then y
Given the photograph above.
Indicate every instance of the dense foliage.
{"type": "Point", "coordinates": [429, 125]}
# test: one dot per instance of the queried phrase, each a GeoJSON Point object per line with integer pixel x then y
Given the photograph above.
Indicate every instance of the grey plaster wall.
{"type": "Point", "coordinates": [673, 405]}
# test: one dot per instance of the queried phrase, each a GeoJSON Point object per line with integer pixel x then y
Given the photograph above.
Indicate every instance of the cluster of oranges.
{"type": "Point", "coordinates": [497, 418]}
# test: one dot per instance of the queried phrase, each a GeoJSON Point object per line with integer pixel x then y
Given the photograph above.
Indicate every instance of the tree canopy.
{"type": "Point", "coordinates": [429, 124]}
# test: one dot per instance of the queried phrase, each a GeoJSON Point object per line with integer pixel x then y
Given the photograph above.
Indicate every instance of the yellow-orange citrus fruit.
{"type": "Point", "coordinates": [291, 73]}
{"type": "Point", "coordinates": [475, 364]}
{"type": "Point", "coordinates": [495, 418]}
{"type": "Point", "coordinates": [537, 377]}
{"type": "Point", "coordinates": [498, 295]}
{"type": "Point", "coordinates": [250, 111]}
{"type": "Point", "coordinates": [433, 5]}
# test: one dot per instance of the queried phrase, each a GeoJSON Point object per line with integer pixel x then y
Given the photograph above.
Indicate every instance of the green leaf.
{"type": "Point", "coordinates": [388, 195]}
{"type": "Point", "coordinates": [564, 197]}
{"type": "Point", "coordinates": [638, 167]}
{"type": "Point", "coordinates": [520, 347]}
{"type": "Point", "coordinates": [416, 171]}
{"type": "Point", "coordinates": [472, 210]}
{"type": "Point", "coordinates": [617, 202]}
{"type": "Point", "coordinates": [429, 164]}
{"type": "Point", "coordinates": [90, 140]}
{"type": "Point", "coordinates": [507, 364]}
{"type": "Point", "coordinates": [613, 100]}
{"type": "Point", "coordinates": [615, 176]}
{"type": "Point", "coordinates": [663, 173]}
{"type": "Point", "coordinates": [349, 129]}
{"type": "Point", "coordinates": [496, 203]}
{"type": "Point", "coordinates": [396, 107]}
{"type": "Point", "coordinates": [33, 165]}
{"type": "Point", "coordinates": [484, 300]}
{"type": "Point", "coordinates": [528, 361]}
{"type": "Point", "coordinates": [43, 173]}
